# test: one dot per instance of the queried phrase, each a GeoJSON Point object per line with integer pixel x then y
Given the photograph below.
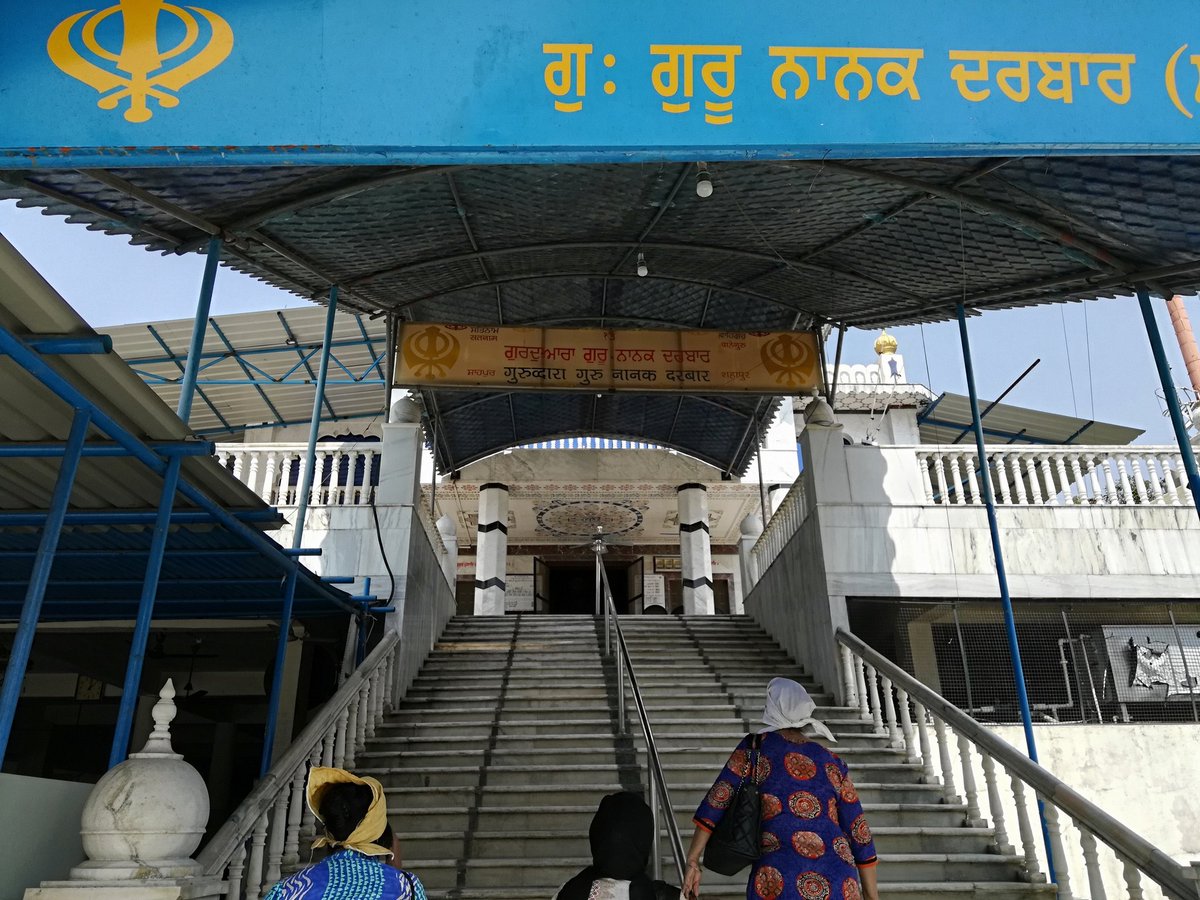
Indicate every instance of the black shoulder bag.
{"type": "Point", "coordinates": [736, 842]}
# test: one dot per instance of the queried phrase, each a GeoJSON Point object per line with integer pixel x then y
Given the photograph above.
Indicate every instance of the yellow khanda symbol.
{"type": "Point", "coordinates": [431, 352]}
{"type": "Point", "coordinates": [139, 57]}
{"type": "Point", "coordinates": [789, 359]}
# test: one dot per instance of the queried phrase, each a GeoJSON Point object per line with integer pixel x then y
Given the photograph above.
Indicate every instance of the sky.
{"type": "Point", "coordinates": [1095, 356]}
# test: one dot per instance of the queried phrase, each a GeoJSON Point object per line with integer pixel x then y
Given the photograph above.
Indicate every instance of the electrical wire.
{"type": "Point", "coordinates": [1070, 367]}
{"type": "Point", "coordinates": [1087, 338]}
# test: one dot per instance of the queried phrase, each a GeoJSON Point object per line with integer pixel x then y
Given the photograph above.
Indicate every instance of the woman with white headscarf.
{"type": "Point", "coordinates": [816, 844]}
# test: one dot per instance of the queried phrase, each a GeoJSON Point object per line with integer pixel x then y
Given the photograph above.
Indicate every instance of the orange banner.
{"type": "Point", "coordinates": [596, 359]}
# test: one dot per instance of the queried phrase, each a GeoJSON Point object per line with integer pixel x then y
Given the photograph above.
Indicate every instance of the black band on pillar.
{"type": "Point", "coordinates": [491, 582]}
{"type": "Point", "coordinates": [692, 583]}
{"type": "Point", "coordinates": [692, 486]}
{"type": "Point", "coordinates": [493, 526]}
{"type": "Point", "coordinates": [693, 526]}
{"type": "Point", "coordinates": [493, 485]}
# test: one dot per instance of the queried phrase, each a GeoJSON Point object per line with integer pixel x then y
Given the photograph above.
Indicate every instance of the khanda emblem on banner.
{"type": "Point", "coordinates": [140, 68]}
{"type": "Point", "coordinates": [431, 352]}
{"type": "Point", "coordinates": [790, 360]}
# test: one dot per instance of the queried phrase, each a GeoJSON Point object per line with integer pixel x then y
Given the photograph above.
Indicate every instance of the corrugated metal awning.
{"type": "Point", "coordinates": [949, 418]}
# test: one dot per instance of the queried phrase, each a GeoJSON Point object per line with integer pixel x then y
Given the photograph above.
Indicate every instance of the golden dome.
{"type": "Point", "coordinates": [885, 343]}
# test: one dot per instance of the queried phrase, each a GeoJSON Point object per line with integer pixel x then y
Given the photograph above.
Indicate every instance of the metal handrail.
{"type": "Point", "coordinates": [1174, 878]}
{"type": "Point", "coordinates": [659, 793]}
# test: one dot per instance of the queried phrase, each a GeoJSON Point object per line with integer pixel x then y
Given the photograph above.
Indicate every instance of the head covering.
{"type": "Point", "coordinates": [621, 836]}
{"type": "Point", "coordinates": [790, 706]}
{"type": "Point", "coordinates": [363, 837]}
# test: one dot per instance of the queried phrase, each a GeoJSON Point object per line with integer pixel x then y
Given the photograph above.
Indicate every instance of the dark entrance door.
{"type": "Point", "coordinates": [573, 587]}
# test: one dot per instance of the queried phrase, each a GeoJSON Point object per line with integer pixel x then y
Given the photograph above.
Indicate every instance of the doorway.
{"type": "Point", "coordinates": [572, 586]}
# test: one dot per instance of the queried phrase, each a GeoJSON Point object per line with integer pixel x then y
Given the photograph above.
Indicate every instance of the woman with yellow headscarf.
{"type": "Point", "coordinates": [353, 813]}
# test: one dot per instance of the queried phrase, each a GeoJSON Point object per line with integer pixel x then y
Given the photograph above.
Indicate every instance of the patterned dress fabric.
{"type": "Point", "coordinates": [814, 833]}
{"type": "Point", "coordinates": [349, 876]}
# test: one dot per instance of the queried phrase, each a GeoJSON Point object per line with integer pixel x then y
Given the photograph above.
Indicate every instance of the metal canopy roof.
{"type": "Point", "coordinates": [949, 416]}
{"type": "Point", "coordinates": [210, 569]}
{"type": "Point", "coordinates": [779, 244]}
{"type": "Point", "coordinates": [259, 369]}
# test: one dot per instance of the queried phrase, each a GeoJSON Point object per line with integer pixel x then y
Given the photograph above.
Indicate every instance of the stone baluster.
{"type": "Point", "coordinates": [974, 816]}
{"type": "Point", "coordinates": [956, 479]}
{"type": "Point", "coordinates": [354, 491]}
{"type": "Point", "coordinates": [296, 808]}
{"type": "Point", "coordinates": [1014, 462]}
{"type": "Point", "coordinates": [372, 702]}
{"type": "Point", "coordinates": [1110, 483]}
{"type": "Point", "coordinates": [1133, 880]}
{"type": "Point", "coordinates": [267, 485]}
{"type": "Point", "coordinates": [360, 741]}
{"type": "Point", "coordinates": [1061, 870]}
{"type": "Point", "coordinates": [896, 738]}
{"type": "Point", "coordinates": [996, 805]}
{"type": "Point", "coordinates": [860, 686]}
{"type": "Point", "coordinates": [939, 468]}
{"type": "Point", "coordinates": [340, 744]}
{"type": "Point", "coordinates": [906, 728]}
{"type": "Point", "coordinates": [254, 871]}
{"type": "Point", "coordinates": [1077, 480]}
{"type": "Point", "coordinates": [928, 776]}
{"type": "Point", "coordinates": [1091, 862]}
{"type": "Point", "coordinates": [1031, 470]}
{"type": "Point", "coordinates": [1048, 477]}
{"type": "Point", "coordinates": [352, 732]}
{"type": "Point", "coordinates": [237, 865]}
{"type": "Point", "coordinates": [308, 822]}
{"type": "Point", "coordinates": [1185, 490]}
{"type": "Point", "coordinates": [1143, 491]}
{"type": "Point", "coordinates": [949, 791]}
{"type": "Point", "coordinates": [279, 817]}
{"type": "Point", "coordinates": [1064, 480]}
{"type": "Point", "coordinates": [252, 469]}
{"type": "Point", "coordinates": [239, 460]}
{"type": "Point", "coordinates": [876, 709]}
{"type": "Point", "coordinates": [370, 473]}
{"type": "Point", "coordinates": [1033, 871]}
{"type": "Point", "coordinates": [923, 463]}
{"type": "Point", "coordinates": [339, 483]}
{"type": "Point", "coordinates": [1123, 477]}
{"type": "Point", "coordinates": [1170, 488]}
{"type": "Point", "coordinates": [1093, 479]}
{"type": "Point", "coordinates": [1000, 481]}
{"type": "Point", "coordinates": [972, 461]}
{"type": "Point", "coordinates": [850, 698]}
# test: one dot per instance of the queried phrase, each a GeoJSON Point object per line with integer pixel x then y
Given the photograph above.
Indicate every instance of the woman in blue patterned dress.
{"type": "Point", "coordinates": [816, 844]}
{"type": "Point", "coordinates": [353, 812]}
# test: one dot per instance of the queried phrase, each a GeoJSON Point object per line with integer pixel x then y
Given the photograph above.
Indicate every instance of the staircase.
{"type": "Point", "coordinates": [496, 760]}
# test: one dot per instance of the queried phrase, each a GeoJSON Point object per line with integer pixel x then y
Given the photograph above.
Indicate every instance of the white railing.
{"type": "Point", "coordinates": [960, 750]}
{"type": "Point", "coordinates": [785, 522]}
{"type": "Point", "coordinates": [264, 837]}
{"type": "Point", "coordinates": [1056, 476]}
{"type": "Point", "coordinates": [346, 474]}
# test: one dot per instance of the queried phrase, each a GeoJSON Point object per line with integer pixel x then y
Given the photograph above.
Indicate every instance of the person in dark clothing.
{"type": "Point", "coordinates": [622, 837]}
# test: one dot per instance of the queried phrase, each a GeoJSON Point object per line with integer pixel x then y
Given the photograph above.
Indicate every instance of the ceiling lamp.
{"type": "Point", "coordinates": [704, 185]}
{"type": "Point", "coordinates": [642, 269]}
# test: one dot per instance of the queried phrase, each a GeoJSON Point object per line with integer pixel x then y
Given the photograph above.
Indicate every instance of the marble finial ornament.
{"type": "Point", "coordinates": [819, 412]}
{"type": "Point", "coordinates": [159, 742]}
{"type": "Point", "coordinates": [405, 411]}
{"type": "Point", "coordinates": [446, 527]}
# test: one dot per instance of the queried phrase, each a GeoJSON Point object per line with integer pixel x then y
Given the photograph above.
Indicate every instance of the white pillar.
{"type": "Point", "coordinates": [400, 461]}
{"type": "Point", "coordinates": [491, 549]}
{"type": "Point", "coordinates": [751, 529]}
{"type": "Point", "coordinates": [695, 550]}
{"type": "Point", "coordinates": [449, 532]}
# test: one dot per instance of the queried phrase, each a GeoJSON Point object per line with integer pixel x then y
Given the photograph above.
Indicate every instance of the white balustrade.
{"type": "Point", "coordinates": [781, 527]}
{"type": "Point", "coordinates": [345, 474]}
{"type": "Point", "coordinates": [1055, 476]}
{"type": "Point", "coordinates": [1011, 782]}
{"type": "Point", "coordinates": [263, 839]}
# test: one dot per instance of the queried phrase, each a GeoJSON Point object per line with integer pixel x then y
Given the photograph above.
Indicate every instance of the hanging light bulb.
{"type": "Point", "coordinates": [643, 270]}
{"type": "Point", "coordinates": [704, 185]}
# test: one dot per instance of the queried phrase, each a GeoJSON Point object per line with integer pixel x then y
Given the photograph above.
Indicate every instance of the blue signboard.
{"type": "Point", "coordinates": [147, 82]}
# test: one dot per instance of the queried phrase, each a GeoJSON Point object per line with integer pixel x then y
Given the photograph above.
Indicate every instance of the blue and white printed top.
{"type": "Point", "coordinates": [348, 875]}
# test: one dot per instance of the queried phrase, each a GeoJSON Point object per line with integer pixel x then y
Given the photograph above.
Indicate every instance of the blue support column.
{"type": "Point", "coordinates": [141, 628]}
{"type": "Point", "coordinates": [1010, 624]}
{"type": "Point", "coordinates": [18, 659]}
{"type": "Point", "coordinates": [1171, 395]}
{"type": "Point", "coordinates": [285, 630]}
{"type": "Point", "coordinates": [310, 456]}
{"type": "Point", "coordinates": [192, 367]}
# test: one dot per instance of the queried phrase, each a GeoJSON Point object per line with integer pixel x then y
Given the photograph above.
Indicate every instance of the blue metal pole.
{"type": "Point", "coordinates": [71, 345]}
{"type": "Point", "coordinates": [39, 450]}
{"type": "Point", "coordinates": [141, 629]}
{"type": "Point", "coordinates": [1010, 624]}
{"type": "Point", "coordinates": [192, 367]}
{"type": "Point", "coordinates": [310, 456]}
{"type": "Point", "coordinates": [285, 630]}
{"type": "Point", "coordinates": [14, 674]}
{"type": "Point", "coordinates": [1172, 397]}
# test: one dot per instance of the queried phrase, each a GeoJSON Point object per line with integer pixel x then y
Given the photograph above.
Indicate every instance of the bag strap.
{"type": "Point", "coordinates": [755, 750]}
